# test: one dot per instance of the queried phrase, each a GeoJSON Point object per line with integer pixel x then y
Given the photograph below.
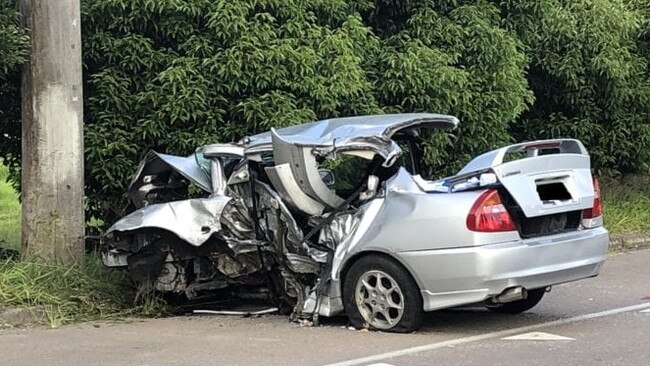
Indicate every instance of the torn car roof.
{"type": "Point", "coordinates": [336, 131]}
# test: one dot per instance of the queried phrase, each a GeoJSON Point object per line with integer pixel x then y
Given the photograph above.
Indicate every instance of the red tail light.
{"type": "Point", "coordinates": [488, 214]}
{"type": "Point", "coordinates": [597, 209]}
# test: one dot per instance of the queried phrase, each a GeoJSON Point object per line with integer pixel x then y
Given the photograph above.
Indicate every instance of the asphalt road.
{"type": "Point", "coordinates": [600, 321]}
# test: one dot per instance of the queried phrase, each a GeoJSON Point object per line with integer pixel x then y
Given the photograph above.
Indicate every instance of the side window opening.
{"type": "Point", "coordinates": [349, 171]}
{"type": "Point", "coordinates": [408, 159]}
{"type": "Point", "coordinates": [435, 146]}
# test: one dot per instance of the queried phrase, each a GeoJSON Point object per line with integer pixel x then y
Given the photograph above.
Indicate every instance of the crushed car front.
{"type": "Point", "coordinates": [258, 218]}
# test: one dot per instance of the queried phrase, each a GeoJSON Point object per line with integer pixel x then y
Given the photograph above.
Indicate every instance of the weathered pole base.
{"type": "Point", "coordinates": [52, 133]}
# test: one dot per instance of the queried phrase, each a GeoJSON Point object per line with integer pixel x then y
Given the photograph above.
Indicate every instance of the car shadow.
{"type": "Point", "coordinates": [466, 320]}
{"type": "Point", "coordinates": [462, 320]}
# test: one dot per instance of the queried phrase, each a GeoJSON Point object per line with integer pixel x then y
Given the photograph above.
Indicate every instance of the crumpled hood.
{"type": "Point", "coordinates": [155, 164]}
{"type": "Point", "coordinates": [192, 220]}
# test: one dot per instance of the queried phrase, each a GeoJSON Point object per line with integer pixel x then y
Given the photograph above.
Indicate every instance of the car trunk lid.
{"type": "Point", "coordinates": [544, 178]}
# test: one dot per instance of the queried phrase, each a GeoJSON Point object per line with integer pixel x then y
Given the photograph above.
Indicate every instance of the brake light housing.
{"type": "Point", "coordinates": [597, 209]}
{"type": "Point", "coordinates": [488, 214]}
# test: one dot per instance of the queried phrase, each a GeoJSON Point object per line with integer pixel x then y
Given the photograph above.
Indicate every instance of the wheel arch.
{"type": "Point", "coordinates": [357, 256]}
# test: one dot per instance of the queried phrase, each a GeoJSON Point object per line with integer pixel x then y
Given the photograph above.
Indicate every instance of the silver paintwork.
{"type": "Point", "coordinates": [216, 152]}
{"type": "Point", "coordinates": [218, 178]}
{"type": "Point", "coordinates": [573, 170]}
{"type": "Point", "coordinates": [490, 269]}
{"type": "Point", "coordinates": [155, 164]}
{"type": "Point", "coordinates": [304, 170]}
{"type": "Point", "coordinates": [351, 133]}
{"type": "Point", "coordinates": [282, 179]}
{"type": "Point", "coordinates": [419, 223]}
{"type": "Point", "coordinates": [223, 150]}
{"type": "Point", "coordinates": [496, 157]}
{"type": "Point", "coordinates": [426, 233]}
{"type": "Point", "coordinates": [192, 220]}
{"type": "Point", "coordinates": [571, 166]}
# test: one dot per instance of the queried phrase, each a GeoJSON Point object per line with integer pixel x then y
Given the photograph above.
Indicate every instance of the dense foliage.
{"type": "Point", "coordinates": [175, 74]}
{"type": "Point", "coordinates": [451, 59]}
{"type": "Point", "coordinates": [590, 81]}
{"type": "Point", "coordinates": [13, 50]}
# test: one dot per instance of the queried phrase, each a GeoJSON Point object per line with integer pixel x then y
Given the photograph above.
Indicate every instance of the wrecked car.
{"type": "Point", "coordinates": [338, 216]}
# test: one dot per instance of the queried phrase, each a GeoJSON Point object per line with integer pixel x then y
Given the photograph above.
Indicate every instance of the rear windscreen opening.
{"type": "Point", "coordinates": [553, 192]}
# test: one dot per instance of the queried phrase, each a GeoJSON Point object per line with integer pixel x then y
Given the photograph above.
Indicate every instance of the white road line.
{"type": "Point", "coordinates": [480, 337]}
{"type": "Point", "coordinates": [645, 311]}
{"type": "Point", "coordinates": [537, 336]}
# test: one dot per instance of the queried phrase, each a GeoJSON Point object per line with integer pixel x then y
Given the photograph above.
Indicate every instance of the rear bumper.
{"type": "Point", "coordinates": [453, 277]}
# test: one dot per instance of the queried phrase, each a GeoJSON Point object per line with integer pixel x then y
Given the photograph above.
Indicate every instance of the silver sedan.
{"type": "Point", "coordinates": [342, 215]}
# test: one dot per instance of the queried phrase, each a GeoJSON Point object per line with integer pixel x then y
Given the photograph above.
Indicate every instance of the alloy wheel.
{"type": "Point", "coordinates": [379, 299]}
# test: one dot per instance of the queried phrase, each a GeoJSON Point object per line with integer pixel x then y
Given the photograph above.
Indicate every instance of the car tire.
{"type": "Point", "coordinates": [533, 297]}
{"type": "Point", "coordinates": [375, 288]}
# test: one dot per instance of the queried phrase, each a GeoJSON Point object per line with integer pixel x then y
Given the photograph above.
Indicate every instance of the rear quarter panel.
{"type": "Point", "coordinates": [412, 220]}
{"type": "Point", "coordinates": [409, 220]}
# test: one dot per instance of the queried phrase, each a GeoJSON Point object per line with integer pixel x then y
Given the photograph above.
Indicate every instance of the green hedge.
{"type": "Point", "coordinates": [175, 74]}
{"type": "Point", "coordinates": [13, 50]}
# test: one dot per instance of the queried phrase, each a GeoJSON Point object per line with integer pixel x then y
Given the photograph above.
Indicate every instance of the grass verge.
{"type": "Point", "coordinates": [69, 295]}
{"type": "Point", "coordinates": [10, 216]}
{"type": "Point", "coordinates": [63, 295]}
{"type": "Point", "coordinates": [626, 204]}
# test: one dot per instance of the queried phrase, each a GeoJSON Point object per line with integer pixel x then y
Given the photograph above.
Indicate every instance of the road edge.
{"type": "Point", "coordinates": [629, 241]}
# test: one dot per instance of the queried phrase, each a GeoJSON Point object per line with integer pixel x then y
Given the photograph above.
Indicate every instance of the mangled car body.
{"type": "Point", "coordinates": [336, 216]}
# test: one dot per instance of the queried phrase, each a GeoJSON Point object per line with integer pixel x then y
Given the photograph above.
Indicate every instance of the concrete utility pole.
{"type": "Point", "coordinates": [52, 162]}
